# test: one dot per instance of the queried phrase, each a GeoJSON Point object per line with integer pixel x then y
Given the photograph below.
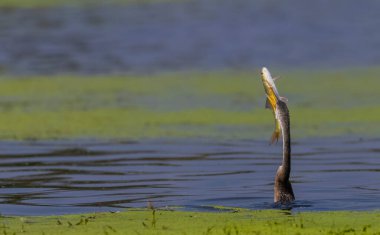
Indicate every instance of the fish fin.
{"type": "Point", "coordinates": [275, 136]}
{"type": "Point", "coordinates": [283, 99]}
{"type": "Point", "coordinates": [275, 78]}
{"type": "Point", "coordinates": [267, 104]}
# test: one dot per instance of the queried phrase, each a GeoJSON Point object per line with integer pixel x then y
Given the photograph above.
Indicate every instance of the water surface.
{"type": "Point", "coordinates": [59, 177]}
{"type": "Point", "coordinates": [186, 35]}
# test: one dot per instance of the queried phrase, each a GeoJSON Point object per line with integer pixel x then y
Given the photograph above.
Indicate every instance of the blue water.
{"type": "Point", "coordinates": [190, 35]}
{"type": "Point", "coordinates": [45, 178]}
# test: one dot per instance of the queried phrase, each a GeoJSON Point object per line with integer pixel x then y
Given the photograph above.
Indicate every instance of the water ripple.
{"type": "Point", "coordinates": [56, 177]}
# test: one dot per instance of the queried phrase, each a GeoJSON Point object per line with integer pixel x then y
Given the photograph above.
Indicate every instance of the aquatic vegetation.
{"type": "Point", "coordinates": [225, 104]}
{"type": "Point", "coordinates": [236, 221]}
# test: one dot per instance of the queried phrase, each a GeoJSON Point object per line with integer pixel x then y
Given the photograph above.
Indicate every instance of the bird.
{"type": "Point", "coordinates": [283, 191]}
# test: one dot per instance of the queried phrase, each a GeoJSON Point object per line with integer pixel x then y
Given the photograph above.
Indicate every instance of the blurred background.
{"type": "Point", "coordinates": [123, 37]}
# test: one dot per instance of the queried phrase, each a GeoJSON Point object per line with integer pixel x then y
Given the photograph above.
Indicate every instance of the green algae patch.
{"type": "Point", "coordinates": [179, 222]}
{"type": "Point", "coordinates": [222, 104]}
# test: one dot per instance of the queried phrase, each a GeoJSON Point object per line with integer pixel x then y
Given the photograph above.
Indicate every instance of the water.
{"type": "Point", "coordinates": [196, 34]}
{"type": "Point", "coordinates": [59, 177]}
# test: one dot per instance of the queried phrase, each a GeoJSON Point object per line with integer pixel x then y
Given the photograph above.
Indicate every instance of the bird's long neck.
{"type": "Point", "coordinates": [286, 149]}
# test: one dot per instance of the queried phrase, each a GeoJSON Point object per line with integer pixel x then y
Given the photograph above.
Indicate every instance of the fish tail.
{"type": "Point", "coordinates": [275, 136]}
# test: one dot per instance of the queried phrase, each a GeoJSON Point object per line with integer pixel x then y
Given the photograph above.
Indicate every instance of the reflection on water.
{"type": "Point", "coordinates": [195, 34]}
{"type": "Point", "coordinates": [40, 178]}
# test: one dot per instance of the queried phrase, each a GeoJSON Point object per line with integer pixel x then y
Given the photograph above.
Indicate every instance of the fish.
{"type": "Point", "coordinates": [271, 102]}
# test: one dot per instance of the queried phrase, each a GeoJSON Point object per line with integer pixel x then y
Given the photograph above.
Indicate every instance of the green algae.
{"type": "Point", "coordinates": [180, 222]}
{"type": "Point", "coordinates": [224, 104]}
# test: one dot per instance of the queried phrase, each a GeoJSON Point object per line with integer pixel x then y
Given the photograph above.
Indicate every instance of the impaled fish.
{"type": "Point", "coordinates": [271, 101]}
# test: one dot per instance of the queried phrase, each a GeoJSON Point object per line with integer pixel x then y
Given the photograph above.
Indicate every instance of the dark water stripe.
{"type": "Point", "coordinates": [41, 178]}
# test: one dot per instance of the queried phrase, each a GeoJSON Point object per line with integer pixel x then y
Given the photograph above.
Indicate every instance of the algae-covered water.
{"type": "Point", "coordinates": [225, 221]}
{"type": "Point", "coordinates": [192, 140]}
